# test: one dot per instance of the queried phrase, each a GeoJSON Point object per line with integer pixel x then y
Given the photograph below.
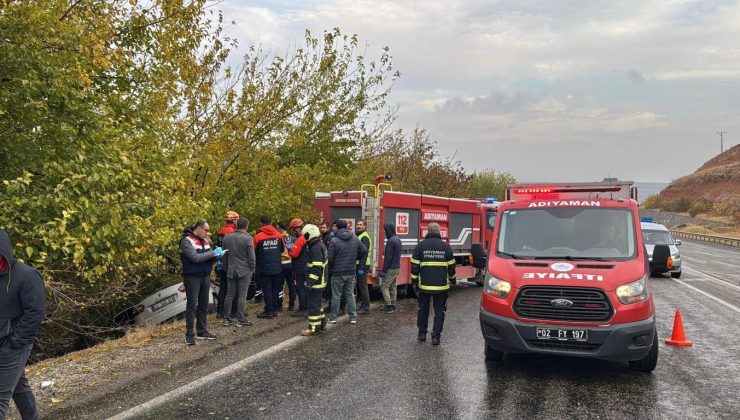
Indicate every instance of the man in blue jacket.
{"type": "Point", "coordinates": [344, 252]}
{"type": "Point", "coordinates": [391, 267]}
{"type": "Point", "coordinates": [22, 308]}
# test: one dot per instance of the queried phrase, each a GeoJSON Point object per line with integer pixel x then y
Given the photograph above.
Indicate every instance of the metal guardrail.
{"type": "Point", "coordinates": [706, 238]}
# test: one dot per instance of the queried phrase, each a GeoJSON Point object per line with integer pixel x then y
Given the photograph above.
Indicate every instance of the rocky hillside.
{"type": "Point", "coordinates": [718, 180]}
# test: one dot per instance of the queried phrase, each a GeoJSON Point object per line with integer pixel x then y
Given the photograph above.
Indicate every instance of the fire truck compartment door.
{"type": "Point", "coordinates": [461, 232]}
{"type": "Point", "coordinates": [407, 226]}
{"type": "Point", "coordinates": [350, 214]}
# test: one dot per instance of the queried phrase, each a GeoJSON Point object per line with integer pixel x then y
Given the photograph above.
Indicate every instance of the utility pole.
{"type": "Point", "coordinates": [721, 141]}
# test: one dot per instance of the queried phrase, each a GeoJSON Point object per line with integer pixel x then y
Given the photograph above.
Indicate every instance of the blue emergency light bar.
{"type": "Point", "coordinates": [647, 219]}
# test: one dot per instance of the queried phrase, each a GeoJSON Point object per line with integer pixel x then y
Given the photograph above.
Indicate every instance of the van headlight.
{"type": "Point", "coordinates": [494, 286]}
{"type": "Point", "coordinates": [634, 292]}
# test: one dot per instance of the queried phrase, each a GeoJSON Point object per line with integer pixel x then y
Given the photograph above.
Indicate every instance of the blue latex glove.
{"type": "Point", "coordinates": [360, 272]}
{"type": "Point", "coordinates": [218, 252]}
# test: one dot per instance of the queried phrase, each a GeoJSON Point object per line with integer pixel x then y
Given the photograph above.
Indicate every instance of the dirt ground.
{"type": "Point", "coordinates": [92, 373]}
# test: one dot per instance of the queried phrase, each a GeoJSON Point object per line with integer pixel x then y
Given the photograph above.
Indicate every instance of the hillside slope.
{"type": "Point", "coordinates": [717, 180]}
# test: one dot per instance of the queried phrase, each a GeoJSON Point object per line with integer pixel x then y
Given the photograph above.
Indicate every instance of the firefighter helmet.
{"type": "Point", "coordinates": [311, 232]}
{"type": "Point", "coordinates": [296, 223]}
{"type": "Point", "coordinates": [232, 216]}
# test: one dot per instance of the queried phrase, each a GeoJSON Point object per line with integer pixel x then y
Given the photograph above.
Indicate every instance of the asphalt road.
{"type": "Point", "coordinates": [377, 369]}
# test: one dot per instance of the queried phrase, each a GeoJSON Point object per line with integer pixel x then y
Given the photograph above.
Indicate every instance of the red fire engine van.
{"type": "Point", "coordinates": [567, 274]}
{"type": "Point", "coordinates": [461, 222]}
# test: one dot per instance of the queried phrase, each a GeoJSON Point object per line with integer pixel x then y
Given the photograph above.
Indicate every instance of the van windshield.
{"type": "Point", "coordinates": [567, 233]}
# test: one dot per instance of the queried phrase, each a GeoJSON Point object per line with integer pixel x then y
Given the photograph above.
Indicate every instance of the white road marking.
{"type": "Point", "coordinates": [208, 379]}
{"type": "Point", "coordinates": [715, 298]}
{"type": "Point", "coordinates": [713, 278]}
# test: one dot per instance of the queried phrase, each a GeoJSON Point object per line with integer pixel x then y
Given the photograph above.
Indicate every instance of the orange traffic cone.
{"type": "Point", "coordinates": [678, 338]}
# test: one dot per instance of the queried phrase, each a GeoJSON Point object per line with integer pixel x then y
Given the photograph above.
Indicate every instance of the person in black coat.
{"type": "Point", "coordinates": [22, 308]}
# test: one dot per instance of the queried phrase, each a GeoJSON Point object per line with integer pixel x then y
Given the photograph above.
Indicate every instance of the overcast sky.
{"type": "Point", "coordinates": [546, 90]}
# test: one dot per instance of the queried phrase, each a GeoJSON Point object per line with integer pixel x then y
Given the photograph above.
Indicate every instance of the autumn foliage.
{"type": "Point", "coordinates": [121, 122]}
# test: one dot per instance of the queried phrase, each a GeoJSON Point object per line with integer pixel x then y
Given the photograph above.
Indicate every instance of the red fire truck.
{"type": "Point", "coordinates": [567, 274]}
{"type": "Point", "coordinates": [461, 221]}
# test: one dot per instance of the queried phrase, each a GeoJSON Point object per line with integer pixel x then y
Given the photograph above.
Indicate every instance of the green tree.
{"type": "Point", "coordinates": [489, 183]}
{"type": "Point", "coordinates": [89, 92]}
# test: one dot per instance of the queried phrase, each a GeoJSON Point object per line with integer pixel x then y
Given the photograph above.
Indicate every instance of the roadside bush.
{"type": "Point", "coordinates": [652, 202]}
{"type": "Point", "coordinates": [680, 205]}
{"type": "Point", "coordinates": [699, 206]}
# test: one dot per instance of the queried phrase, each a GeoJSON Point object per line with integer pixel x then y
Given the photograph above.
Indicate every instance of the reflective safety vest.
{"type": "Point", "coordinates": [433, 265]}
{"type": "Point", "coordinates": [318, 259]}
{"type": "Point", "coordinates": [369, 245]}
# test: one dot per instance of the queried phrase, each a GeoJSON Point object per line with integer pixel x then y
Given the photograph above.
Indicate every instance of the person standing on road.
{"type": "Point", "coordinates": [268, 247]}
{"type": "Point", "coordinates": [22, 308]}
{"type": "Point", "coordinates": [316, 274]}
{"type": "Point", "coordinates": [432, 271]}
{"type": "Point", "coordinates": [228, 227]}
{"type": "Point", "coordinates": [344, 252]}
{"type": "Point", "coordinates": [197, 261]}
{"type": "Point", "coordinates": [363, 266]}
{"type": "Point", "coordinates": [299, 258]}
{"type": "Point", "coordinates": [286, 272]}
{"type": "Point", "coordinates": [239, 267]}
{"type": "Point", "coordinates": [391, 267]}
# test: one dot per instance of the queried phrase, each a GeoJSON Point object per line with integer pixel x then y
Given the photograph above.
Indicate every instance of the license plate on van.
{"type": "Point", "coordinates": [164, 302]}
{"type": "Point", "coordinates": [562, 335]}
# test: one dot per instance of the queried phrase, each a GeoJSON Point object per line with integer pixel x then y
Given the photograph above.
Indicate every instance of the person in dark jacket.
{"type": "Point", "coordinates": [391, 267]}
{"type": "Point", "coordinates": [344, 252]}
{"type": "Point", "coordinates": [239, 267]}
{"type": "Point", "coordinates": [299, 258]}
{"type": "Point", "coordinates": [197, 262]}
{"type": "Point", "coordinates": [316, 274]}
{"type": "Point", "coordinates": [223, 285]}
{"type": "Point", "coordinates": [286, 273]}
{"type": "Point", "coordinates": [22, 308]}
{"type": "Point", "coordinates": [268, 247]}
{"type": "Point", "coordinates": [432, 271]}
{"type": "Point", "coordinates": [363, 266]}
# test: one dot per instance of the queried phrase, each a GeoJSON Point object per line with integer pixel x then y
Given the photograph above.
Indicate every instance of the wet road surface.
{"type": "Point", "coordinates": [377, 369]}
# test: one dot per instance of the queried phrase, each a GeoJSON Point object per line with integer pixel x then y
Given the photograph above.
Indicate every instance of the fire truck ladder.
{"type": "Point", "coordinates": [371, 214]}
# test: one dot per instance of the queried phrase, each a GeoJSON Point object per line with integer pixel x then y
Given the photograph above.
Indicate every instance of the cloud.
{"type": "Point", "coordinates": [484, 74]}
{"type": "Point", "coordinates": [635, 76]}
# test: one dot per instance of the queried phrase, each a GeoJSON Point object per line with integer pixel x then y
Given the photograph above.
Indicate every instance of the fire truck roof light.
{"type": "Point", "coordinates": [537, 190]}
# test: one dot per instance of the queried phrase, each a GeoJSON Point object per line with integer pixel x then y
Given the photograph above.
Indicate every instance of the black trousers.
{"type": "Point", "coordinates": [196, 291]}
{"type": "Point", "coordinates": [440, 306]}
{"type": "Point", "coordinates": [316, 317]}
{"type": "Point", "coordinates": [299, 279]}
{"type": "Point", "coordinates": [271, 286]}
{"type": "Point", "coordinates": [287, 275]}
{"type": "Point", "coordinates": [362, 291]}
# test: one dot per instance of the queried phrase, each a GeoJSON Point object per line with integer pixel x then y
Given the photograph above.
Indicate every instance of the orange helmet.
{"type": "Point", "coordinates": [231, 216]}
{"type": "Point", "coordinates": [296, 223]}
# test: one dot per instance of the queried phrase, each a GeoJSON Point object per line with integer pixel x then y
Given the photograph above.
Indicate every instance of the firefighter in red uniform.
{"type": "Point", "coordinates": [299, 257]}
{"type": "Point", "coordinates": [432, 271]}
{"type": "Point", "coordinates": [315, 279]}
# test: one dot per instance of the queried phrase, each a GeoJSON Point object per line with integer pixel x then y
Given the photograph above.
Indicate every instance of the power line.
{"type": "Point", "coordinates": [721, 141]}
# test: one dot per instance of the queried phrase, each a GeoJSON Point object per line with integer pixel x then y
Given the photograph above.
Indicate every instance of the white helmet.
{"type": "Point", "coordinates": [310, 232]}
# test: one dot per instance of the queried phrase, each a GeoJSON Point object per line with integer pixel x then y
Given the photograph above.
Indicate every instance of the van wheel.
{"type": "Point", "coordinates": [493, 355]}
{"type": "Point", "coordinates": [647, 363]}
{"type": "Point", "coordinates": [676, 275]}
